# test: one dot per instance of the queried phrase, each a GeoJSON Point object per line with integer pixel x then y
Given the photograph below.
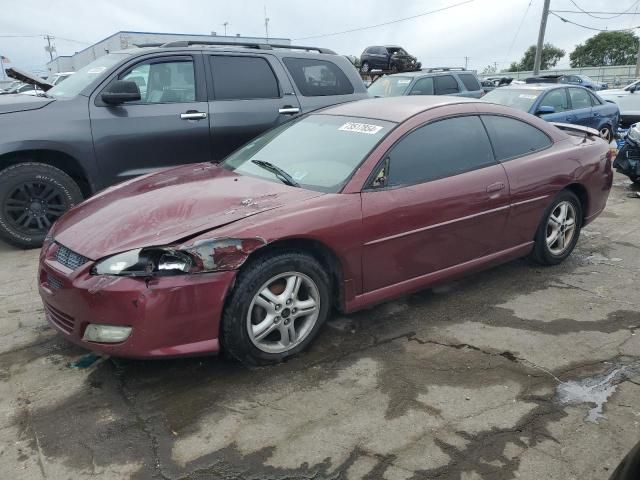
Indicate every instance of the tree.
{"type": "Point", "coordinates": [551, 55]}
{"type": "Point", "coordinates": [606, 48]}
{"type": "Point", "coordinates": [489, 70]}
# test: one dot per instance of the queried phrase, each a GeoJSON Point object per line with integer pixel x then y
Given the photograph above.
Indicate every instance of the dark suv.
{"type": "Point", "coordinates": [389, 58]}
{"type": "Point", "coordinates": [132, 112]}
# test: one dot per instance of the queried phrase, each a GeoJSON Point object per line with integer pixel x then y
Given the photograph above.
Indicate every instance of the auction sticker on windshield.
{"type": "Point", "coordinates": [361, 128]}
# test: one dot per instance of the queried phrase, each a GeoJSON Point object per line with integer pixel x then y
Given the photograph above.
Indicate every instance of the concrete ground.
{"type": "Point", "coordinates": [518, 372]}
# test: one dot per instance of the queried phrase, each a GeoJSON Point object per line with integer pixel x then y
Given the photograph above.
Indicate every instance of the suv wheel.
{"type": "Point", "coordinates": [32, 197]}
{"type": "Point", "coordinates": [394, 68]}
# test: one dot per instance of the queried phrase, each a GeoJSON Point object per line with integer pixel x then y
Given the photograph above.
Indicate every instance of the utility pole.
{"type": "Point", "coordinates": [266, 24]}
{"type": "Point", "coordinates": [540, 45]}
{"type": "Point", "coordinates": [225, 27]}
{"type": "Point", "coordinates": [49, 48]}
{"type": "Point", "coordinates": [638, 62]}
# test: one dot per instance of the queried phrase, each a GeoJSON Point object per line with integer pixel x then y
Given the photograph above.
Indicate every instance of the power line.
{"type": "Point", "coordinates": [517, 31]}
{"type": "Point", "coordinates": [385, 23]}
{"type": "Point", "coordinates": [592, 28]}
{"type": "Point", "coordinates": [611, 13]}
{"type": "Point", "coordinates": [602, 18]}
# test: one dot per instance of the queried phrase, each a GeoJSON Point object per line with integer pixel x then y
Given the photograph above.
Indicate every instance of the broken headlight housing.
{"type": "Point", "coordinates": [145, 262]}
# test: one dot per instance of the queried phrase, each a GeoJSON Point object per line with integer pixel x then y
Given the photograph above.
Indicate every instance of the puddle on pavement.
{"type": "Point", "coordinates": [595, 390]}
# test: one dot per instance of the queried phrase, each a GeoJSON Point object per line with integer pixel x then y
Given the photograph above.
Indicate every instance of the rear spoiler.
{"type": "Point", "coordinates": [568, 127]}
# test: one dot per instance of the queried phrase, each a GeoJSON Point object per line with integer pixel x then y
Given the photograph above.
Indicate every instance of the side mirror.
{"type": "Point", "coordinates": [121, 91]}
{"type": "Point", "coordinates": [545, 109]}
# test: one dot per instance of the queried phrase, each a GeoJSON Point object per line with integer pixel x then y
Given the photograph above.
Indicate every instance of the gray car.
{"type": "Point", "coordinates": [433, 81]}
{"type": "Point", "coordinates": [136, 111]}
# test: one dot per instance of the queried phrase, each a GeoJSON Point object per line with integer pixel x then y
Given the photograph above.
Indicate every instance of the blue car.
{"type": "Point", "coordinates": [560, 103]}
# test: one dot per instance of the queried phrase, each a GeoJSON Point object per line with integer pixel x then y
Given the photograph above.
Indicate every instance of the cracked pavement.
{"type": "Point", "coordinates": [459, 382]}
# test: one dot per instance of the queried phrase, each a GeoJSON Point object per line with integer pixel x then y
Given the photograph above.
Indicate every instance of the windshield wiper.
{"type": "Point", "coordinates": [283, 176]}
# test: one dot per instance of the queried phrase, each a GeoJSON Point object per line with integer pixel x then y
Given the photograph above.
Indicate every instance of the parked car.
{"type": "Point", "coordinates": [252, 254]}
{"type": "Point", "coordinates": [627, 160]}
{"type": "Point", "coordinates": [139, 110]}
{"type": "Point", "coordinates": [560, 103]}
{"type": "Point", "coordinates": [391, 57]}
{"type": "Point", "coordinates": [491, 83]}
{"type": "Point", "coordinates": [581, 80]}
{"type": "Point", "coordinates": [628, 100]}
{"type": "Point", "coordinates": [60, 77]}
{"type": "Point", "coordinates": [434, 81]}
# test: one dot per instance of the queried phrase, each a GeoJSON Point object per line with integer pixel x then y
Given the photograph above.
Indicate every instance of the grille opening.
{"type": "Point", "coordinates": [69, 258]}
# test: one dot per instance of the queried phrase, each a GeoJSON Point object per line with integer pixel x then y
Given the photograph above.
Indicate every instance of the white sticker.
{"type": "Point", "coordinates": [530, 97]}
{"type": "Point", "coordinates": [361, 128]}
{"type": "Point", "coordinates": [95, 71]}
{"type": "Point", "coordinates": [403, 82]}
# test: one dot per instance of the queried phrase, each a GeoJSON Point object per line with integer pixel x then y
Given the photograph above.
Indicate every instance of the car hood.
{"type": "Point", "coordinates": [613, 92]}
{"type": "Point", "coordinates": [28, 78]}
{"type": "Point", "coordinates": [169, 207]}
{"type": "Point", "coordinates": [21, 103]}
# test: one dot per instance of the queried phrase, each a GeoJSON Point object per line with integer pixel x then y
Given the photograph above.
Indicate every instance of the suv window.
{"type": "Point", "coordinates": [579, 98]}
{"type": "Point", "coordinates": [446, 84]}
{"type": "Point", "coordinates": [170, 81]}
{"type": "Point", "coordinates": [440, 149]}
{"type": "Point", "coordinates": [557, 99]}
{"type": "Point", "coordinates": [469, 81]}
{"type": "Point", "coordinates": [423, 86]}
{"type": "Point", "coordinates": [315, 78]}
{"type": "Point", "coordinates": [242, 78]}
{"type": "Point", "coordinates": [513, 138]}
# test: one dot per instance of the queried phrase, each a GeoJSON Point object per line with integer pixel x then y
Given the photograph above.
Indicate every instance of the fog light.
{"type": "Point", "coordinates": [106, 333]}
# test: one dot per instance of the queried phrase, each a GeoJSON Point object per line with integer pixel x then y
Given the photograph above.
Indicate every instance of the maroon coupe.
{"type": "Point", "coordinates": [349, 206]}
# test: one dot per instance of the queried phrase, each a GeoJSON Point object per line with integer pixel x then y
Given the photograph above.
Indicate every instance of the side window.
{"type": "Point", "coordinates": [446, 85]}
{"type": "Point", "coordinates": [423, 86]}
{"type": "Point", "coordinates": [595, 101]}
{"type": "Point", "coordinates": [575, 79]}
{"type": "Point", "coordinates": [557, 99]}
{"type": "Point", "coordinates": [316, 78]}
{"type": "Point", "coordinates": [381, 51]}
{"type": "Point", "coordinates": [579, 98]}
{"type": "Point", "coordinates": [470, 82]}
{"type": "Point", "coordinates": [440, 149]}
{"type": "Point", "coordinates": [164, 82]}
{"type": "Point", "coordinates": [242, 78]}
{"type": "Point", "coordinates": [514, 138]}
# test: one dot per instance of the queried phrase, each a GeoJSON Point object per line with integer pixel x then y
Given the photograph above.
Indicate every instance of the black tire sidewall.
{"type": "Point", "coordinates": [233, 331]}
{"type": "Point", "coordinates": [363, 69]}
{"type": "Point", "coordinates": [13, 176]}
{"type": "Point", "coordinates": [541, 253]}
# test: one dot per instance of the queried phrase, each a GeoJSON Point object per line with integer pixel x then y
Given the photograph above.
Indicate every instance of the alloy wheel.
{"type": "Point", "coordinates": [283, 312]}
{"type": "Point", "coordinates": [34, 206]}
{"type": "Point", "coordinates": [605, 133]}
{"type": "Point", "coordinates": [561, 228]}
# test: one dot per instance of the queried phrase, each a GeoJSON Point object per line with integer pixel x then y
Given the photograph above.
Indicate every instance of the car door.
{"type": "Point", "coordinates": [581, 110]}
{"type": "Point", "coordinates": [168, 126]}
{"type": "Point", "coordinates": [248, 95]}
{"type": "Point", "coordinates": [438, 199]}
{"type": "Point", "coordinates": [559, 100]}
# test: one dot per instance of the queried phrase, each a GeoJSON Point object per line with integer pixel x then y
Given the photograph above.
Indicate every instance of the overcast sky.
{"type": "Point", "coordinates": [483, 30]}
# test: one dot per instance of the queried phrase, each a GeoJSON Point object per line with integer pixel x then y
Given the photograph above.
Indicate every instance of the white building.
{"type": "Point", "coordinates": [123, 40]}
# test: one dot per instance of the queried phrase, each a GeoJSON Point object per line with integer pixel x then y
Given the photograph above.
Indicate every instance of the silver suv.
{"type": "Point", "coordinates": [431, 81]}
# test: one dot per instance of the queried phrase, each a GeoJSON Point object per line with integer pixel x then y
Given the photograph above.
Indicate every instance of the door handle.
{"type": "Point", "coordinates": [193, 115]}
{"type": "Point", "coordinates": [571, 118]}
{"type": "Point", "coordinates": [289, 110]}
{"type": "Point", "coordinates": [495, 187]}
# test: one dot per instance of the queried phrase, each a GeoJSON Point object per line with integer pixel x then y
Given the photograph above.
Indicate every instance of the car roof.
{"type": "Point", "coordinates": [288, 52]}
{"type": "Point", "coordinates": [394, 109]}
{"type": "Point", "coordinates": [537, 86]}
{"type": "Point", "coordinates": [427, 73]}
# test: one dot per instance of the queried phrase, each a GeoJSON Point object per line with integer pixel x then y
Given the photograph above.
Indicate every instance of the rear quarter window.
{"type": "Point", "coordinates": [317, 78]}
{"type": "Point", "coordinates": [513, 138]}
{"type": "Point", "coordinates": [470, 82]}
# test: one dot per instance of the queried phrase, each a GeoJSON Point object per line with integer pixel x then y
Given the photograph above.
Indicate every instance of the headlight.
{"type": "Point", "coordinates": [144, 262]}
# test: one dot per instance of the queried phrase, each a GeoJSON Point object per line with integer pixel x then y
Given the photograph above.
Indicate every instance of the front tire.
{"type": "Point", "coordinates": [32, 197]}
{"type": "Point", "coordinates": [276, 308]}
{"type": "Point", "coordinates": [606, 134]}
{"type": "Point", "coordinates": [559, 230]}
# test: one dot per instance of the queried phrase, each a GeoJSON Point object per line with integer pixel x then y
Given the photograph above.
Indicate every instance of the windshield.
{"type": "Point", "coordinates": [389, 86]}
{"type": "Point", "coordinates": [75, 83]}
{"type": "Point", "coordinates": [521, 99]}
{"type": "Point", "coordinates": [320, 152]}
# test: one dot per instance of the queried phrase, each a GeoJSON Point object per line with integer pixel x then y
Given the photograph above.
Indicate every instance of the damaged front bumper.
{"type": "Point", "coordinates": [627, 161]}
{"type": "Point", "coordinates": [168, 316]}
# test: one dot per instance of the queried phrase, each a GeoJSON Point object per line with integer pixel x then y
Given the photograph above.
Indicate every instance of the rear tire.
{"type": "Point", "coordinates": [32, 197]}
{"type": "Point", "coordinates": [606, 133]}
{"type": "Point", "coordinates": [559, 230]}
{"type": "Point", "coordinates": [263, 321]}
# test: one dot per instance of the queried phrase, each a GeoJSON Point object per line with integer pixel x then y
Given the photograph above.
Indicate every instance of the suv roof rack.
{"type": "Point", "coordinates": [442, 69]}
{"type": "Point", "coordinates": [258, 46]}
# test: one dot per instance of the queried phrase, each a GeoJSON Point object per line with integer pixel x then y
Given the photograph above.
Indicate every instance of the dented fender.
{"type": "Point", "coordinates": [224, 253]}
